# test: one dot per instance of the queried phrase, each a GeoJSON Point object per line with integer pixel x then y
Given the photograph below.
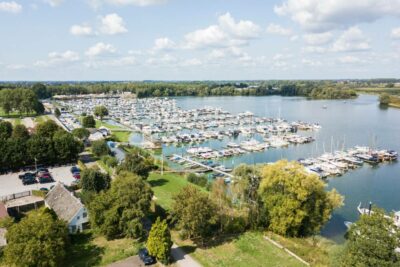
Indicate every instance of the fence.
{"type": "Point", "coordinates": [15, 196]}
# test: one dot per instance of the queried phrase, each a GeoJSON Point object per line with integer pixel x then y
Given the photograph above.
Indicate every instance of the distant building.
{"type": "Point", "coordinates": [68, 208]}
{"type": "Point", "coordinates": [98, 134]}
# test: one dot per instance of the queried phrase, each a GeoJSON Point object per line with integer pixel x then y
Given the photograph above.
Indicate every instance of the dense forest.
{"type": "Point", "coordinates": [312, 89]}
{"type": "Point", "coordinates": [20, 100]}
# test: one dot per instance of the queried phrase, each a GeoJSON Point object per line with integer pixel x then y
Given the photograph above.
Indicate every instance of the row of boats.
{"type": "Point", "coordinates": [252, 145]}
{"type": "Point", "coordinates": [165, 122]}
{"type": "Point", "coordinates": [339, 162]}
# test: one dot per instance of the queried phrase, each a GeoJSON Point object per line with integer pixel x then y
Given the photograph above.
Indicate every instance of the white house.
{"type": "Point", "coordinates": [67, 207]}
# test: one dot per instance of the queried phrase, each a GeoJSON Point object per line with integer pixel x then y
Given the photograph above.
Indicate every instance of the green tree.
{"type": "Point", "coordinates": [37, 240]}
{"type": "Point", "coordinates": [88, 122]}
{"type": "Point", "coordinates": [159, 242]}
{"type": "Point", "coordinates": [372, 241]}
{"type": "Point", "coordinates": [94, 180]}
{"type": "Point", "coordinates": [5, 130]}
{"type": "Point", "coordinates": [100, 111]}
{"type": "Point", "coordinates": [120, 211]}
{"type": "Point", "coordinates": [100, 148]}
{"type": "Point", "coordinates": [81, 133]}
{"type": "Point", "coordinates": [137, 162]}
{"type": "Point", "coordinates": [384, 99]}
{"type": "Point", "coordinates": [66, 146]}
{"type": "Point", "coordinates": [194, 212]}
{"type": "Point", "coordinates": [41, 91]}
{"type": "Point", "coordinates": [47, 129]}
{"type": "Point", "coordinates": [57, 112]}
{"type": "Point", "coordinates": [296, 201]}
{"type": "Point", "coordinates": [20, 132]}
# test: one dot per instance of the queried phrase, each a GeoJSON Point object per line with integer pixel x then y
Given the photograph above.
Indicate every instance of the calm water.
{"type": "Point", "coordinates": [350, 123]}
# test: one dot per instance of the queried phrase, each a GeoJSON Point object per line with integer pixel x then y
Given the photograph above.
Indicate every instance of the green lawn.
{"type": "Point", "coordinates": [88, 250]}
{"type": "Point", "coordinates": [121, 136]}
{"type": "Point", "coordinates": [166, 186]}
{"type": "Point", "coordinates": [42, 118]}
{"type": "Point", "coordinates": [248, 249]}
{"type": "Point", "coordinates": [16, 114]}
{"type": "Point", "coordinates": [100, 123]}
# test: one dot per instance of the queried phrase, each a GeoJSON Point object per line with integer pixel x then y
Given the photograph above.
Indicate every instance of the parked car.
{"type": "Point", "coordinates": [146, 258]}
{"type": "Point", "coordinates": [74, 169]}
{"type": "Point", "coordinates": [77, 175]}
{"type": "Point", "coordinates": [28, 179]}
{"type": "Point", "coordinates": [42, 170]}
{"type": "Point", "coordinates": [22, 176]}
{"type": "Point", "coordinates": [45, 177]}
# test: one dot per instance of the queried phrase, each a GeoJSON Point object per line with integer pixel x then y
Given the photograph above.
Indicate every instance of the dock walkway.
{"type": "Point", "coordinates": [203, 165]}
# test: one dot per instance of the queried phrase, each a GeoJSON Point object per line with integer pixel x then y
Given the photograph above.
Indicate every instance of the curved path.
{"type": "Point", "coordinates": [182, 258]}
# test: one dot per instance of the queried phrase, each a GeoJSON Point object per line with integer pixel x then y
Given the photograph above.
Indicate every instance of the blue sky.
{"type": "Point", "coordinates": [198, 40]}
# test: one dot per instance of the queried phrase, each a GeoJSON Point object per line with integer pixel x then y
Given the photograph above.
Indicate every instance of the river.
{"type": "Point", "coordinates": [344, 124]}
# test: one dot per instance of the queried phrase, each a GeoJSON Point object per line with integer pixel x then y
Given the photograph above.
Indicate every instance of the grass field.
{"type": "Point", "coordinates": [248, 249]}
{"type": "Point", "coordinates": [42, 118]}
{"type": "Point", "coordinates": [121, 136]}
{"type": "Point", "coordinates": [88, 250]}
{"type": "Point", "coordinates": [166, 186]}
{"type": "Point", "coordinates": [109, 126]}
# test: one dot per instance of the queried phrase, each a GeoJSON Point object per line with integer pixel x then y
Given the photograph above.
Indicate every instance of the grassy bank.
{"type": "Point", "coordinates": [89, 250]}
{"type": "Point", "coordinates": [166, 186]}
{"type": "Point", "coordinates": [248, 249]}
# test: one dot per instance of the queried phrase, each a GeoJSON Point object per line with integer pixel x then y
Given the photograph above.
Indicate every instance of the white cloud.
{"type": "Point", "coordinates": [350, 60]}
{"type": "Point", "coordinates": [311, 63]}
{"type": "Point", "coordinates": [191, 62]}
{"type": "Point", "coordinates": [395, 33]}
{"type": "Point", "coordinates": [278, 29]}
{"type": "Point", "coordinates": [165, 59]}
{"type": "Point", "coordinates": [11, 7]}
{"type": "Point", "coordinates": [163, 44]}
{"type": "Point", "coordinates": [16, 67]}
{"type": "Point", "coordinates": [119, 62]}
{"type": "Point", "coordinates": [100, 49]}
{"type": "Point", "coordinates": [317, 15]}
{"type": "Point", "coordinates": [58, 58]}
{"type": "Point", "coordinates": [314, 49]}
{"type": "Point", "coordinates": [81, 30]}
{"type": "Point", "coordinates": [227, 33]}
{"type": "Point", "coordinates": [243, 29]}
{"type": "Point", "coordinates": [98, 3]}
{"type": "Point", "coordinates": [112, 24]}
{"type": "Point", "coordinates": [352, 39]}
{"type": "Point", "coordinates": [316, 39]}
{"type": "Point", "coordinates": [54, 3]}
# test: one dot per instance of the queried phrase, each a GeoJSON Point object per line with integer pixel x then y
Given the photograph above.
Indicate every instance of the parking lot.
{"type": "Point", "coordinates": [11, 184]}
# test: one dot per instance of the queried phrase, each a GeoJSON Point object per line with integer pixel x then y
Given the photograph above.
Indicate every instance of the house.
{"type": "Point", "coordinates": [68, 208]}
{"type": "Point", "coordinates": [98, 134]}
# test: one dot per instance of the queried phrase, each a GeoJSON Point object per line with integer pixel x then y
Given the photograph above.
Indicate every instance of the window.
{"type": "Point", "coordinates": [84, 215]}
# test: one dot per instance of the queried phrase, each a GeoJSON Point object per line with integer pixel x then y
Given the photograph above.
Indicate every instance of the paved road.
{"type": "Point", "coordinates": [129, 262]}
{"type": "Point", "coordinates": [182, 259]}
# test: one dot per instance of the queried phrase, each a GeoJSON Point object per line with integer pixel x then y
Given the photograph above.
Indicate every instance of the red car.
{"type": "Point", "coordinates": [77, 175]}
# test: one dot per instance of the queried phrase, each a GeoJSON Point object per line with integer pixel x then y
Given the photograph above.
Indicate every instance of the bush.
{"type": "Point", "coordinates": [100, 148]}
{"type": "Point", "coordinates": [199, 180]}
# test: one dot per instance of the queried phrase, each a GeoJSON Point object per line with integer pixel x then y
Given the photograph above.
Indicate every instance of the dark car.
{"type": "Point", "coordinates": [22, 176]}
{"type": "Point", "coordinates": [146, 257]}
{"type": "Point", "coordinates": [28, 179]}
{"type": "Point", "coordinates": [75, 169]}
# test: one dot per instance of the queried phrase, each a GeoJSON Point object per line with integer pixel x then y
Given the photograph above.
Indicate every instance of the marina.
{"type": "Point", "coordinates": [228, 131]}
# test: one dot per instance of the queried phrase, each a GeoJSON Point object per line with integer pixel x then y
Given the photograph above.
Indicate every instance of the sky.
{"type": "Point", "coordinates": [64, 40]}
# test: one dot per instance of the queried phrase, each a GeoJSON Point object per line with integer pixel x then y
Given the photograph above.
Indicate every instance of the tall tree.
{"type": "Point", "coordinates": [20, 132]}
{"type": "Point", "coordinates": [37, 240]}
{"type": "Point", "coordinates": [372, 241]}
{"type": "Point", "coordinates": [5, 130]}
{"type": "Point", "coordinates": [47, 129]}
{"type": "Point", "coordinates": [120, 211]}
{"type": "Point", "coordinates": [57, 112]}
{"type": "Point", "coordinates": [296, 201]}
{"type": "Point", "coordinates": [194, 212]}
{"type": "Point", "coordinates": [137, 162]}
{"type": "Point", "coordinates": [101, 112]}
{"type": "Point", "coordinates": [66, 146]}
{"type": "Point", "coordinates": [88, 122]}
{"type": "Point", "coordinates": [100, 148]}
{"type": "Point", "coordinates": [94, 180]}
{"type": "Point", "coordinates": [159, 242]}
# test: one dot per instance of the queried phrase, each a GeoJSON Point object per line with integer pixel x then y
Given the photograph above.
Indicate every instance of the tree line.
{"type": "Point", "coordinates": [48, 144]}
{"type": "Point", "coordinates": [311, 89]}
{"type": "Point", "coordinates": [21, 101]}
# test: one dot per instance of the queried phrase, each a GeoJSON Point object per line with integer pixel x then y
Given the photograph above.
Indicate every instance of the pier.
{"type": "Point", "coordinates": [203, 165]}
